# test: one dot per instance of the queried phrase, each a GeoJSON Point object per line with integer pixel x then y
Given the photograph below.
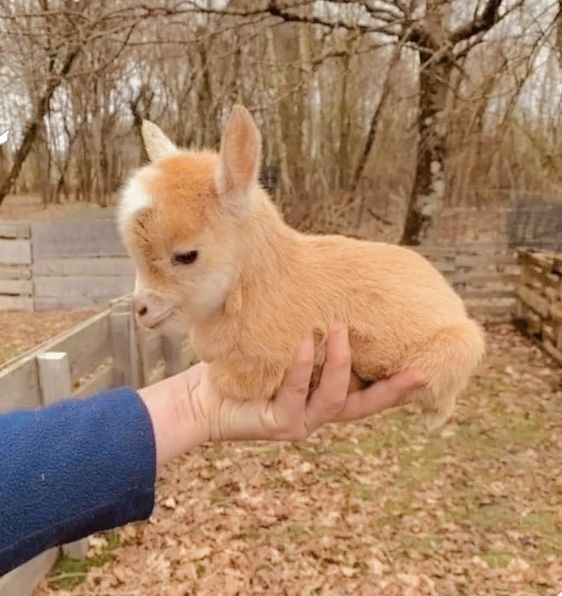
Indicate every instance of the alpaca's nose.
{"type": "Point", "coordinates": [141, 308]}
{"type": "Point", "coordinates": [150, 308]}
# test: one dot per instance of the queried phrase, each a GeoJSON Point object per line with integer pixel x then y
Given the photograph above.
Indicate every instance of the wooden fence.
{"type": "Point", "coordinates": [16, 285]}
{"type": "Point", "coordinates": [539, 306]}
{"type": "Point", "coordinates": [62, 264]}
{"type": "Point", "coordinates": [485, 275]}
{"type": "Point", "coordinates": [105, 351]}
{"type": "Point", "coordinates": [81, 263]}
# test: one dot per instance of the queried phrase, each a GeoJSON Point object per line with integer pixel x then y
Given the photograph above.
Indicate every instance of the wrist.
{"type": "Point", "coordinates": [178, 419]}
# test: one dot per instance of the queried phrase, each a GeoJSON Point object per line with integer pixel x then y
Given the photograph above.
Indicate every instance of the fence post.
{"type": "Point", "coordinates": [174, 354]}
{"type": "Point", "coordinates": [121, 347]}
{"type": "Point", "coordinates": [55, 382]}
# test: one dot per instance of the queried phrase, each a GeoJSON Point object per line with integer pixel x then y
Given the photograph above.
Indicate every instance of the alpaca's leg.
{"type": "Point", "coordinates": [447, 360]}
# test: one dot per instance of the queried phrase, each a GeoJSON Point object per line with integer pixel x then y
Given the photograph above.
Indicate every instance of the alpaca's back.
{"type": "Point", "coordinates": [401, 313]}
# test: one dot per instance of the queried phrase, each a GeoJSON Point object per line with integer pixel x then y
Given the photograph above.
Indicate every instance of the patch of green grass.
{"type": "Point", "coordinates": [223, 494]}
{"type": "Point", "coordinates": [364, 492]}
{"type": "Point", "coordinates": [306, 453]}
{"type": "Point", "coordinates": [68, 573]}
{"type": "Point", "coordinates": [250, 533]}
{"type": "Point", "coordinates": [544, 527]}
{"type": "Point", "coordinates": [419, 466]}
{"type": "Point", "coordinates": [426, 543]}
{"type": "Point", "coordinates": [343, 446]}
{"type": "Point", "coordinates": [270, 454]}
{"type": "Point", "coordinates": [214, 452]}
{"type": "Point", "coordinates": [496, 559]}
{"type": "Point", "coordinates": [394, 509]}
{"type": "Point", "coordinates": [339, 474]}
{"type": "Point", "coordinates": [297, 532]}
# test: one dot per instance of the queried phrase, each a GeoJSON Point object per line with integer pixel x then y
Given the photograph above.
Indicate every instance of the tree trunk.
{"type": "Point", "coordinates": [33, 126]}
{"type": "Point", "coordinates": [428, 190]}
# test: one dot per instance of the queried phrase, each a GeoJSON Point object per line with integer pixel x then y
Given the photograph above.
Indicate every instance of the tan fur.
{"type": "Point", "coordinates": [259, 285]}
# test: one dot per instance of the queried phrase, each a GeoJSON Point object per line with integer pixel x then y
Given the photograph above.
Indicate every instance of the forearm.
{"type": "Point", "coordinates": [71, 469]}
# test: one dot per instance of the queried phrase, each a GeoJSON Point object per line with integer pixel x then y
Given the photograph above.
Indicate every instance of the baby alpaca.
{"type": "Point", "coordinates": [215, 258]}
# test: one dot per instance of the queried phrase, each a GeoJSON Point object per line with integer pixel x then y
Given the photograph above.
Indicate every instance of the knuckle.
{"type": "Point", "coordinates": [343, 362]}
{"type": "Point", "coordinates": [301, 387]}
{"type": "Point", "coordinates": [305, 361]}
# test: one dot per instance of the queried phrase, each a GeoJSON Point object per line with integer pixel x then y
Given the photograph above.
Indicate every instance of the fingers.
{"type": "Point", "coordinates": [292, 395]}
{"type": "Point", "coordinates": [329, 399]}
{"type": "Point", "coordinates": [381, 395]}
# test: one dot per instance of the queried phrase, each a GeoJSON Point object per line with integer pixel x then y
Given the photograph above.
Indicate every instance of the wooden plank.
{"type": "Point", "coordinates": [15, 272]}
{"type": "Point", "coordinates": [87, 345]}
{"type": "Point", "coordinates": [23, 580]}
{"type": "Point", "coordinates": [548, 333]}
{"type": "Point", "coordinates": [16, 287]}
{"type": "Point", "coordinates": [463, 260]}
{"type": "Point", "coordinates": [177, 354]}
{"type": "Point", "coordinates": [476, 276]}
{"type": "Point", "coordinates": [14, 230]}
{"type": "Point", "coordinates": [155, 374]}
{"type": "Point", "coordinates": [150, 353]}
{"type": "Point", "coordinates": [101, 380]}
{"type": "Point", "coordinates": [531, 320]}
{"type": "Point", "coordinates": [444, 267]}
{"type": "Point", "coordinates": [19, 384]}
{"type": "Point", "coordinates": [16, 303]}
{"type": "Point", "coordinates": [104, 287]}
{"type": "Point", "coordinates": [69, 302]}
{"type": "Point", "coordinates": [553, 351]}
{"type": "Point", "coordinates": [557, 333]}
{"type": "Point", "coordinates": [54, 376]}
{"type": "Point", "coordinates": [89, 266]}
{"type": "Point", "coordinates": [15, 252]}
{"type": "Point", "coordinates": [76, 238]}
{"type": "Point", "coordinates": [533, 299]}
{"type": "Point", "coordinates": [468, 293]}
{"type": "Point", "coordinates": [555, 311]}
{"type": "Point", "coordinates": [498, 312]}
{"type": "Point", "coordinates": [125, 354]}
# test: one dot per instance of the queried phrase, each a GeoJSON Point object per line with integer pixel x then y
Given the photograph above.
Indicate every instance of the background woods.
{"type": "Point", "coordinates": [379, 117]}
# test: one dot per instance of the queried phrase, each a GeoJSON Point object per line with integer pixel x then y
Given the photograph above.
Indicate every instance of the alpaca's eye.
{"type": "Point", "coordinates": [186, 258]}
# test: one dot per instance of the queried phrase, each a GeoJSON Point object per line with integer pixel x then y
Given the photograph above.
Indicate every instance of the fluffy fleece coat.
{"type": "Point", "coordinates": [215, 258]}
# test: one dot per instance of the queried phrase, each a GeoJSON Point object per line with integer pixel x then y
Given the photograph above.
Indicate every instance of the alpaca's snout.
{"type": "Point", "coordinates": [150, 308]}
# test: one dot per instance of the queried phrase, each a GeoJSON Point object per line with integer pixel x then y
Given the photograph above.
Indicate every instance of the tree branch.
{"type": "Point", "coordinates": [481, 23]}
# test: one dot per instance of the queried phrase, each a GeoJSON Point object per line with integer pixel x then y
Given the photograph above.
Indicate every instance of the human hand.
{"type": "Point", "coordinates": [292, 414]}
{"type": "Point", "coordinates": [186, 412]}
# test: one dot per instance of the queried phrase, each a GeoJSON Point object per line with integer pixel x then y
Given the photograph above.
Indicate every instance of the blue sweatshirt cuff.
{"type": "Point", "coordinates": [73, 468]}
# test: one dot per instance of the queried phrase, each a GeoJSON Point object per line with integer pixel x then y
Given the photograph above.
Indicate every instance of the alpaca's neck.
{"type": "Point", "coordinates": [271, 247]}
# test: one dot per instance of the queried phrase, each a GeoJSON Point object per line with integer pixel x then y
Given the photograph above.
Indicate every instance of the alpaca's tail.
{"type": "Point", "coordinates": [447, 360]}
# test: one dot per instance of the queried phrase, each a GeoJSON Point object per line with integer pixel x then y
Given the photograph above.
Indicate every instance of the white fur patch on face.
{"type": "Point", "coordinates": [133, 198]}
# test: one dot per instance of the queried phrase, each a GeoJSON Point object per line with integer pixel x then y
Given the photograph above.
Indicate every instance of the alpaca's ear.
{"type": "Point", "coordinates": [156, 143]}
{"type": "Point", "coordinates": [239, 159]}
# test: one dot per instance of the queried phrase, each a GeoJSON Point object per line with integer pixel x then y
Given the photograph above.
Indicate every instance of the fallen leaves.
{"type": "Point", "coordinates": [22, 331]}
{"type": "Point", "coordinates": [372, 508]}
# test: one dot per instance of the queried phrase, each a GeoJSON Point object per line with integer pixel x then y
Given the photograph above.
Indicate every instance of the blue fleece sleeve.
{"type": "Point", "coordinates": [71, 469]}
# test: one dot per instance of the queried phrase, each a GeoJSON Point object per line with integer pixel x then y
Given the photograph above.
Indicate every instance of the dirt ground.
{"type": "Point", "coordinates": [370, 508]}
{"type": "Point", "coordinates": [31, 208]}
{"type": "Point", "coordinates": [21, 331]}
